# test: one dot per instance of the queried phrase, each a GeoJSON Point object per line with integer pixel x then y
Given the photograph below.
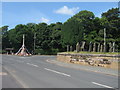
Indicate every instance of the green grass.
{"type": "Point", "coordinates": [83, 52]}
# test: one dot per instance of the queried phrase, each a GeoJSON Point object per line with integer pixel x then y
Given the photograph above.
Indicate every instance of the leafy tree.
{"type": "Point", "coordinates": [50, 39]}
{"type": "Point", "coordinates": [5, 40]}
{"type": "Point", "coordinates": [112, 16]}
{"type": "Point", "coordinates": [4, 29]}
{"type": "Point", "coordinates": [77, 27]}
{"type": "Point", "coordinates": [56, 35]}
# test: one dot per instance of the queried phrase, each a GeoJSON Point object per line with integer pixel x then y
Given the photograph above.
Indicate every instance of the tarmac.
{"type": "Point", "coordinates": [103, 70]}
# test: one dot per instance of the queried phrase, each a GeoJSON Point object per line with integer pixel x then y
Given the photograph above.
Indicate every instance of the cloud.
{"type": "Point", "coordinates": [13, 18]}
{"type": "Point", "coordinates": [67, 11]}
{"type": "Point", "coordinates": [44, 20]}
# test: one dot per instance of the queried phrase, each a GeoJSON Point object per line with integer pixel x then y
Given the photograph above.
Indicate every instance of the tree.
{"type": "Point", "coordinates": [50, 39]}
{"type": "Point", "coordinates": [56, 35]}
{"type": "Point", "coordinates": [77, 27]}
{"type": "Point", "coordinates": [112, 15]}
{"type": "Point", "coordinates": [4, 29]}
{"type": "Point", "coordinates": [5, 39]}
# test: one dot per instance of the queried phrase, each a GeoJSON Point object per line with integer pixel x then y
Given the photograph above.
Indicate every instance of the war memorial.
{"type": "Point", "coordinates": [23, 50]}
{"type": "Point", "coordinates": [83, 39]}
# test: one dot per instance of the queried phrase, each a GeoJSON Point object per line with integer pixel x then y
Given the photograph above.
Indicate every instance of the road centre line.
{"type": "Point", "coordinates": [32, 64]}
{"type": "Point", "coordinates": [101, 85]}
{"type": "Point", "coordinates": [57, 72]}
{"type": "Point", "coordinates": [19, 61]}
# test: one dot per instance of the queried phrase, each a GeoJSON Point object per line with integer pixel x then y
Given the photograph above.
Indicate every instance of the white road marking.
{"type": "Point", "coordinates": [19, 61]}
{"type": "Point", "coordinates": [32, 64]}
{"type": "Point", "coordinates": [102, 85]}
{"type": "Point", "coordinates": [47, 60]}
{"type": "Point", "coordinates": [22, 57]}
{"type": "Point", "coordinates": [3, 73]}
{"type": "Point", "coordinates": [57, 72]}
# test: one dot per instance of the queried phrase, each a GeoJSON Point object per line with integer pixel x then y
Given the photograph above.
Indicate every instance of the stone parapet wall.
{"type": "Point", "coordinates": [101, 60]}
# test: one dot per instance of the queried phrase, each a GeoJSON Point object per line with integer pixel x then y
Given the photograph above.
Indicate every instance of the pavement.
{"type": "Point", "coordinates": [41, 72]}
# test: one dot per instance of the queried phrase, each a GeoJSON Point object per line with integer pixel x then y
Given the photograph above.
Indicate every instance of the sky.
{"type": "Point", "coordinates": [14, 13]}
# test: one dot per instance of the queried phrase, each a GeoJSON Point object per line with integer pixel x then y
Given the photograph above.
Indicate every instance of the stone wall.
{"type": "Point", "coordinates": [101, 60]}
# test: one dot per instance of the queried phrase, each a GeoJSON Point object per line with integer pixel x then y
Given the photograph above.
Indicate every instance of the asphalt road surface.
{"type": "Point", "coordinates": [36, 72]}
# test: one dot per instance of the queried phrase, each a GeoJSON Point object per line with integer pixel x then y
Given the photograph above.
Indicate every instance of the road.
{"type": "Point", "coordinates": [36, 72]}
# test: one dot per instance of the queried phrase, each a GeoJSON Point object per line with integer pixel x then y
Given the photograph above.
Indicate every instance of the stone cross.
{"type": "Point", "coordinates": [23, 50]}
{"type": "Point", "coordinates": [23, 40]}
{"type": "Point", "coordinates": [113, 47]}
{"type": "Point", "coordinates": [71, 48]}
{"type": "Point", "coordinates": [67, 48]}
{"type": "Point", "coordinates": [110, 47]}
{"type": "Point", "coordinates": [78, 47]}
{"type": "Point", "coordinates": [90, 46]}
{"type": "Point", "coordinates": [98, 49]}
{"type": "Point", "coordinates": [83, 46]}
{"type": "Point", "coordinates": [101, 48]}
{"type": "Point", "coordinates": [94, 47]}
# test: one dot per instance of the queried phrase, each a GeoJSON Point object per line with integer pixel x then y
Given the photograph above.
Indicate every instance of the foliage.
{"type": "Point", "coordinates": [53, 38]}
{"type": "Point", "coordinates": [77, 27]}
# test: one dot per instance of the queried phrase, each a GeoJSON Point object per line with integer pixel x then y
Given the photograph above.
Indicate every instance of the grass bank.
{"type": "Point", "coordinates": [83, 52]}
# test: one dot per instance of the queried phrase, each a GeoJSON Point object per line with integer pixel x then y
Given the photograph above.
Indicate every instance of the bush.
{"type": "Point", "coordinates": [46, 52]}
{"type": "Point", "coordinates": [2, 52]}
{"type": "Point", "coordinates": [37, 51]}
{"type": "Point", "coordinates": [54, 51]}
